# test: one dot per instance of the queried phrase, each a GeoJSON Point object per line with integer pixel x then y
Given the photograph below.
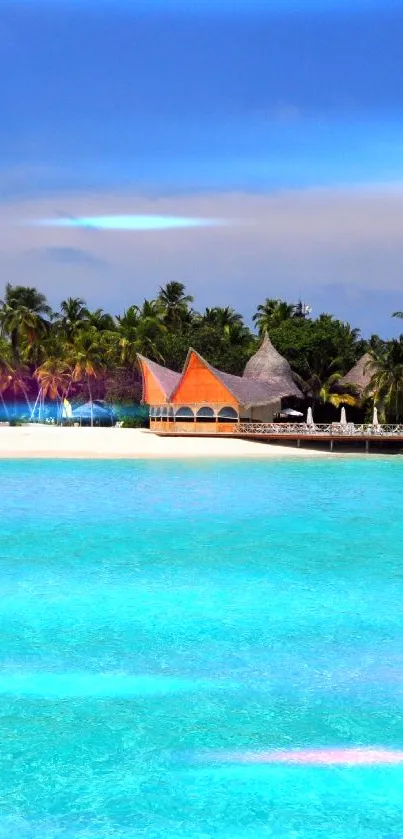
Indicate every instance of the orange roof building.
{"type": "Point", "coordinates": [204, 399]}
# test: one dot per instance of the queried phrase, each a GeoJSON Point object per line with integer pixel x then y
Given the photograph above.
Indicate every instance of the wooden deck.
{"type": "Point", "coordinates": [333, 437]}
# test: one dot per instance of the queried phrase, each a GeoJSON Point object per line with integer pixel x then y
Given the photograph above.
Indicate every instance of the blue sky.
{"type": "Point", "coordinates": [165, 107]}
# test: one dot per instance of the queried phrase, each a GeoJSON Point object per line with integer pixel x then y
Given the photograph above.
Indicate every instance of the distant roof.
{"type": "Point", "coordinates": [268, 366]}
{"type": "Point", "coordinates": [360, 375]}
{"type": "Point", "coordinates": [166, 378]}
{"type": "Point", "coordinates": [267, 362]}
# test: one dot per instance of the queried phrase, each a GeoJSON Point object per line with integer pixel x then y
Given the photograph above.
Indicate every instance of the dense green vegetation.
{"type": "Point", "coordinates": [85, 354]}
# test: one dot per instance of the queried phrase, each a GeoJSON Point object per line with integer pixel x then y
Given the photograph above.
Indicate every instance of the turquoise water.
{"type": "Point", "coordinates": [160, 622]}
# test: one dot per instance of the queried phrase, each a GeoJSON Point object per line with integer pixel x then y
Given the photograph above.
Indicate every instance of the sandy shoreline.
{"type": "Point", "coordinates": [38, 441]}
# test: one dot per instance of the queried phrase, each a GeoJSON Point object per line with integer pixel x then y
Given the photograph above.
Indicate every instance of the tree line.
{"type": "Point", "coordinates": [82, 354]}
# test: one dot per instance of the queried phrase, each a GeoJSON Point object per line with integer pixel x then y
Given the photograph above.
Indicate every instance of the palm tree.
{"type": "Point", "coordinates": [72, 316]}
{"type": "Point", "coordinates": [26, 297]}
{"type": "Point", "coordinates": [18, 384]}
{"type": "Point", "coordinates": [328, 395]}
{"type": "Point", "coordinates": [325, 389]}
{"type": "Point", "coordinates": [271, 314]}
{"type": "Point", "coordinates": [129, 319]}
{"type": "Point", "coordinates": [139, 330]}
{"type": "Point", "coordinates": [376, 344]}
{"type": "Point", "coordinates": [150, 331]}
{"type": "Point", "coordinates": [174, 304]}
{"type": "Point", "coordinates": [229, 323]}
{"type": "Point", "coordinates": [222, 317]}
{"type": "Point", "coordinates": [386, 385]}
{"type": "Point", "coordinates": [150, 309]}
{"type": "Point", "coordinates": [86, 360]}
{"type": "Point", "coordinates": [33, 330]}
{"type": "Point", "coordinates": [126, 335]}
{"type": "Point", "coordinates": [350, 333]}
{"type": "Point", "coordinates": [101, 320]}
{"type": "Point", "coordinates": [24, 315]}
{"type": "Point", "coordinates": [54, 378]}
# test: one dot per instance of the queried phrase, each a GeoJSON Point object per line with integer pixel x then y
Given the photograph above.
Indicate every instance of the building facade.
{"type": "Point", "coordinates": [203, 399]}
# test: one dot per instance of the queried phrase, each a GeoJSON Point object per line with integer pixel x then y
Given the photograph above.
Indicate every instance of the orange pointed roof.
{"type": "Point", "coordinates": [246, 391]}
{"type": "Point", "coordinates": [165, 379]}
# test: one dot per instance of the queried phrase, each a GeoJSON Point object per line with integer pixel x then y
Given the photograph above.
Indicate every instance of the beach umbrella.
{"type": "Point", "coordinates": [95, 411]}
{"type": "Point", "coordinates": [309, 417]}
{"type": "Point", "coordinates": [343, 418]}
{"type": "Point", "coordinates": [375, 420]}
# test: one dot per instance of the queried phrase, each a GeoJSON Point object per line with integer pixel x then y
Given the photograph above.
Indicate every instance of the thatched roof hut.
{"type": "Point", "coordinates": [268, 366]}
{"type": "Point", "coordinates": [359, 377]}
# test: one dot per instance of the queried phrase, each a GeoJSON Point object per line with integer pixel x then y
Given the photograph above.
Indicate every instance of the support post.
{"type": "Point", "coordinates": [331, 445]}
{"type": "Point", "coordinates": [367, 446]}
{"type": "Point", "coordinates": [299, 443]}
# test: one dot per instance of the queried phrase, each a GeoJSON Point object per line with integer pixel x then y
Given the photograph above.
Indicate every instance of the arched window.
{"type": "Point", "coordinates": [184, 413]}
{"type": "Point", "coordinates": [166, 413]}
{"type": "Point", "coordinates": [205, 413]}
{"type": "Point", "coordinates": [227, 414]}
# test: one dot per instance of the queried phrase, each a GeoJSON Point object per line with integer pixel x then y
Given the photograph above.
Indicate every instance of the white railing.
{"type": "Point", "coordinates": [334, 429]}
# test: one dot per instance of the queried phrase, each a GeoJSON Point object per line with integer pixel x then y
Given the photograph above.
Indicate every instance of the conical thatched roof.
{"type": "Point", "coordinates": [267, 365]}
{"type": "Point", "coordinates": [360, 375]}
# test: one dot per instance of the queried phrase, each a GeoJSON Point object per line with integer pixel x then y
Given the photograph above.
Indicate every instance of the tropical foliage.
{"type": "Point", "coordinates": [85, 354]}
{"type": "Point", "coordinates": [386, 386]}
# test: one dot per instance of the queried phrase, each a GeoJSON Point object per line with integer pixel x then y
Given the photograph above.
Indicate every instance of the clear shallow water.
{"type": "Point", "coordinates": [159, 622]}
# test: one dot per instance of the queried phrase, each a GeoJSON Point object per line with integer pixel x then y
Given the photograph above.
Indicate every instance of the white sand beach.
{"type": "Point", "coordinates": [46, 441]}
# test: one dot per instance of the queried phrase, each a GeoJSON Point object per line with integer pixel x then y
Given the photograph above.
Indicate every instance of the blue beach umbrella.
{"type": "Point", "coordinates": [95, 412]}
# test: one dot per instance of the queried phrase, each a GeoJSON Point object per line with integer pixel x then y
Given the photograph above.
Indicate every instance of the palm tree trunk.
{"type": "Point", "coordinates": [66, 395]}
{"type": "Point", "coordinates": [36, 402]}
{"type": "Point", "coordinates": [14, 342]}
{"type": "Point", "coordinates": [41, 404]}
{"type": "Point", "coordinates": [6, 414]}
{"type": "Point", "coordinates": [90, 393]}
{"type": "Point", "coordinates": [26, 399]}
